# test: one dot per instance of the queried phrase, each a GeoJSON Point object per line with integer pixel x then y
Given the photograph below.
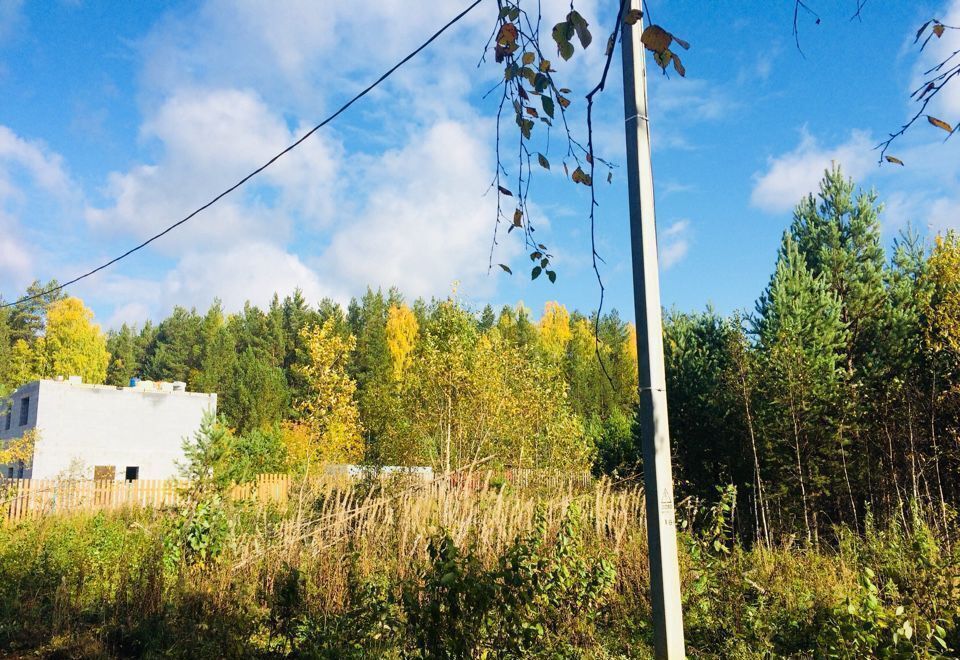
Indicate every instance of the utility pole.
{"type": "Point", "coordinates": [654, 429]}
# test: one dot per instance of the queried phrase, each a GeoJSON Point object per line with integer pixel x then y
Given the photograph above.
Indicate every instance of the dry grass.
{"type": "Point", "coordinates": [332, 527]}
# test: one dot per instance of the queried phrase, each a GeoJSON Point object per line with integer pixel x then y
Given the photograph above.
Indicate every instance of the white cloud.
{"type": "Point", "coordinates": [251, 271]}
{"type": "Point", "coordinates": [792, 175]}
{"type": "Point", "coordinates": [15, 262]}
{"type": "Point", "coordinates": [425, 222]}
{"type": "Point", "coordinates": [944, 214]}
{"type": "Point", "coordinates": [44, 167]}
{"type": "Point", "coordinates": [209, 140]}
{"type": "Point", "coordinates": [689, 98]}
{"type": "Point", "coordinates": [28, 170]}
{"type": "Point", "coordinates": [674, 243]}
{"type": "Point", "coordinates": [299, 53]}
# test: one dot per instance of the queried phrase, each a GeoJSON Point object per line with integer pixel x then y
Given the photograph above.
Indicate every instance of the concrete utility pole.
{"type": "Point", "coordinates": [655, 432]}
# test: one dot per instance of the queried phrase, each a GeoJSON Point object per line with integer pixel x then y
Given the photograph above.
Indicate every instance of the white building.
{"type": "Point", "coordinates": [102, 431]}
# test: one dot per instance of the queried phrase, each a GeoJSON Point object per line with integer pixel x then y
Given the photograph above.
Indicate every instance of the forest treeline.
{"type": "Point", "coordinates": [835, 399]}
{"type": "Point", "coordinates": [382, 381]}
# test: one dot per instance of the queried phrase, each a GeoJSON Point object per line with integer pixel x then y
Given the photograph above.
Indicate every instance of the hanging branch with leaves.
{"type": "Point", "coordinates": [531, 90]}
{"type": "Point", "coordinates": [935, 79]}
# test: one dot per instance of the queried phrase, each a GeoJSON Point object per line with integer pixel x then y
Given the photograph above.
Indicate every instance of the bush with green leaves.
{"type": "Point", "coordinates": [543, 593]}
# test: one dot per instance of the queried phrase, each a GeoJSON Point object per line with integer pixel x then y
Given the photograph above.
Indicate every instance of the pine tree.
{"type": "Point", "coordinates": [175, 349]}
{"type": "Point", "coordinates": [802, 338]}
{"type": "Point", "coordinates": [125, 356]}
{"type": "Point", "coordinates": [487, 318]}
{"type": "Point", "coordinates": [28, 319]}
{"type": "Point", "coordinates": [839, 238]}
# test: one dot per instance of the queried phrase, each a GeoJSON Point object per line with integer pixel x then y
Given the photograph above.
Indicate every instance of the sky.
{"type": "Point", "coordinates": [117, 119]}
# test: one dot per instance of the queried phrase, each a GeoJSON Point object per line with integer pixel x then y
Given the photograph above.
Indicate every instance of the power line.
{"type": "Point", "coordinates": [257, 171]}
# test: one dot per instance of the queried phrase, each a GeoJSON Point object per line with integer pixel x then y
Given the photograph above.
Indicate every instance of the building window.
{"type": "Point", "coordinates": [133, 472]}
{"type": "Point", "coordinates": [19, 469]}
{"type": "Point", "coordinates": [24, 410]}
{"type": "Point", "coordinates": [9, 418]}
{"type": "Point", "coordinates": [9, 473]}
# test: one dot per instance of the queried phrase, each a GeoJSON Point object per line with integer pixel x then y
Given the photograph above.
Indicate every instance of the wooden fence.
{"type": "Point", "coordinates": [31, 498]}
{"type": "Point", "coordinates": [22, 499]}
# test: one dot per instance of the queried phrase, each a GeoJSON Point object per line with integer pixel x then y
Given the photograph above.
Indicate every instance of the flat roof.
{"type": "Point", "coordinates": [144, 389]}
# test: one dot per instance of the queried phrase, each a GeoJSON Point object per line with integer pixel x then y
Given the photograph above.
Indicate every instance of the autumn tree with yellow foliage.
{"type": "Point", "coordinates": [555, 331]}
{"type": "Point", "coordinates": [402, 329]}
{"type": "Point", "coordinates": [329, 409]}
{"type": "Point", "coordinates": [73, 344]}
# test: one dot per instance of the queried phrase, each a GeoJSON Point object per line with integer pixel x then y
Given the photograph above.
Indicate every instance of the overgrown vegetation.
{"type": "Point", "coordinates": [437, 571]}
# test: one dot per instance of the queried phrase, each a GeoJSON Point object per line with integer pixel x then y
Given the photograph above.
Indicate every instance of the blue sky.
{"type": "Point", "coordinates": [118, 118]}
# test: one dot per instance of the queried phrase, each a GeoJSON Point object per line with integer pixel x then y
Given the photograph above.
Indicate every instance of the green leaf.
{"type": "Point", "coordinates": [526, 125]}
{"type": "Point", "coordinates": [515, 13]}
{"type": "Point", "coordinates": [544, 163]}
{"type": "Point", "coordinates": [580, 25]}
{"type": "Point", "coordinates": [562, 32]}
{"type": "Point", "coordinates": [552, 275]}
{"type": "Point", "coordinates": [506, 268]}
{"type": "Point", "coordinates": [663, 58]}
{"type": "Point", "coordinates": [535, 273]}
{"type": "Point", "coordinates": [540, 82]}
{"type": "Point", "coordinates": [505, 191]}
{"type": "Point", "coordinates": [547, 103]}
{"type": "Point", "coordinates": [565, 49]}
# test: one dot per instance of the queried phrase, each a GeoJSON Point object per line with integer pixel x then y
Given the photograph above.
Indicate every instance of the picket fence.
{"type": "Point", "coordinates": [22, 499]}
{"type": "Point", "coordinates": [31, 498]}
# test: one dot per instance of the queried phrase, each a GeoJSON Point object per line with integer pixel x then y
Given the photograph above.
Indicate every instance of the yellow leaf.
{"type": "Point", "coordinates": [544, 65]}
{"type": "Point", "coordinates": [518, 218]}
{"type": "Point", "coordinates": [579, 176]}
{"type": "Point", "coordinates": [528, 58]}
{"type": "Point", "coordinates": [655, 38]}
{"type": "Point", "coordinates": [939, 123]}
{"type": "Point", "coordinates": [938, 30]}
{"type": "Point", "coordinates": [508, 34]}
{"type": "Point", "coordinates": [894, 160]}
